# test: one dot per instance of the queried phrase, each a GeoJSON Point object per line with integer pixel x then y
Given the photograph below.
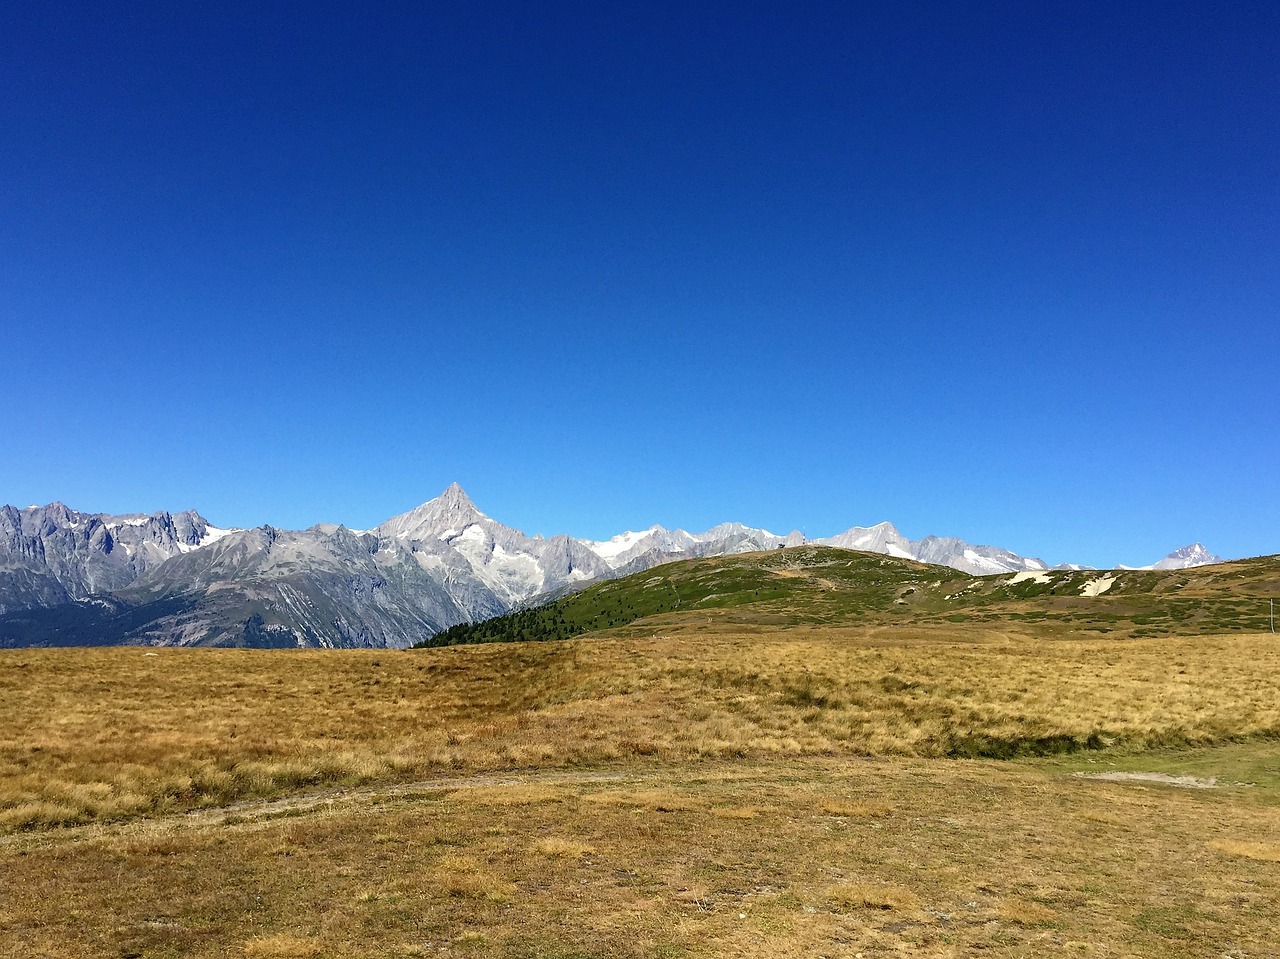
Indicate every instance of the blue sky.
{"type": "Point", "coordinates": [1004, 271]}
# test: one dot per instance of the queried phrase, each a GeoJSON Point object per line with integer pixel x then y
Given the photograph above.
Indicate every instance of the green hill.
{"type": "Point", "coordinates": [824, 585]}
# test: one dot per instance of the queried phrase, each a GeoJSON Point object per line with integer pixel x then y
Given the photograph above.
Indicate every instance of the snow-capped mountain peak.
{"type": "Point", "coordinates": [1185, 558]}
{"type": "Point", "coordinates": [1188, 556]}
{"type": "Point", "coordinates": [449, 532]}
{"type": "Point", "coordinates": [617, 545]}
{"type": "Point", "coordinates": [630, 551]}
{"type": "Point", "coordinates": [68, 555]}
{"type": "Point", "coordinates": [881, 538]}
{"type": "Point", "coordinates": [449, 514]}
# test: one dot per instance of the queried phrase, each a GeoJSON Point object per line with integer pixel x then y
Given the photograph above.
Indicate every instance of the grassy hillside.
{"type": "Point", "coordinates": [809, 584]}
{"type": "Point", "coordinates": [819, 585]}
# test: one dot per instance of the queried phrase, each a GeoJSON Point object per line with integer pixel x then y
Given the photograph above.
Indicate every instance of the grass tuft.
{"type": "Point", "coordinates": [865, 895]}
{"type": "Point", "coordinates": [557, 847]}
{"type": "Point", "coordinates": [1262, 851]}
{"type": "Point", "coordinates": [282, 946]}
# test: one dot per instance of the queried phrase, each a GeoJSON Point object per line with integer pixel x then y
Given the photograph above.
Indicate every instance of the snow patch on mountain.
{"type": "Point", "coordinates": [609, 548]}
{"type": "Point", "coordinates": [211, 535]}
{"type": "Point", "coordinates": [1032, 575]}
{"type": "Point", "coordinates": [1098, 586]}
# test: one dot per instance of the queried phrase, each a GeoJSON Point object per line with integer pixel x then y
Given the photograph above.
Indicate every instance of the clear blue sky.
{"type": "Point", "coordinates": [1007, 271]}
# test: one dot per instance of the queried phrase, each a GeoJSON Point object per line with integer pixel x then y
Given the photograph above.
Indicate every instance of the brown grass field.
{"type": "Point", "coordinates": [717, 789]}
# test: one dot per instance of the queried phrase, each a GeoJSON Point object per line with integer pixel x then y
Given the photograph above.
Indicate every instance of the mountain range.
{"type": "Point", "coordinates": [72, 578]}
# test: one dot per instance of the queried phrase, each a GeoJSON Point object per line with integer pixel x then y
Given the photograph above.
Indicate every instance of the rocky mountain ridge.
{"type": "Point", "coordinates": [75, 578]}
{"type": "Point", "coordinates": [53, 554]}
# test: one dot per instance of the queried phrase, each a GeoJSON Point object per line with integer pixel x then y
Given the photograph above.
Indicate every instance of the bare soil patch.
{"type": "Point", "coordinates": [1164, 779]}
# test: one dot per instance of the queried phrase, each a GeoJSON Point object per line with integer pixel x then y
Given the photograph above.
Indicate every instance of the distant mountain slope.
{"type": "Point", "coordinates": [325, 586]}
{"type": "Point", "coordinates": [631, 552]}
{"type": "Point", "coordinates": [513, 566]}
{"type": "Point", "coordinates": [71, 577]}
{"type": "Point", "coordinates": [52, 554]}
{"type": "Point", "coordinates": [1187, 557]}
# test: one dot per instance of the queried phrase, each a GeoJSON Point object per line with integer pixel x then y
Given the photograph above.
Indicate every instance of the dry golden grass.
{"type": "Point", "coordinates": [650, 800]}
{"type": "Point", "coordinates": [716, 792]}
{"type": "Point", "coordinates": [1266, 851]}
{"type": "Point", "coordinates": [463, 876]}
{"type": "Point", "coordinates": [835, 807]}
{"type": "Point", "coordinates": [282, 946]}
{"type": "Point", "coordinates": [977, 858]}
{"type": "Point", "coordinates": [508, 795]}
{"type": "Point", "coordinates": [866, 895]}
{"type": "Point", "coordinates": [737, 812]}
{"type": "Point", "coordinates": [560, 848]}
{"type": "Point", "coordinates": [100, 734]}
{"type": "Point", "coordinates": [1026, 913]}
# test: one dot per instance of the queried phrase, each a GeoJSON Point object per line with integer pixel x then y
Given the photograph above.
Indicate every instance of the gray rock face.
{"type": "Point", "coordinates": [326, 587]}
{"type": "Point", "coordinates": [52, 554]}
{"type": "Point", "coordinates": [977, 560]}
{"type": "Point", "coordinates": [882, 538]}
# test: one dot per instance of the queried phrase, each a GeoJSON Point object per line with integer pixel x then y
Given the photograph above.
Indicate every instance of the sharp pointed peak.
{"type": "Point", "coordinates": [455, 498]}
{"type": "Point", "coordinates": [455, 494]}
{"type": "Point", "coordinates": [1194, 554]}
{"type": "Point", "coordinates": [451, 510]}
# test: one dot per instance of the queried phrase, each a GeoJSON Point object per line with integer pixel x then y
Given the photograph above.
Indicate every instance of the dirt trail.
{"type": "Point", "coordinates": [259, 813]}
{"type": "Point", "coordinates": [252, 812]}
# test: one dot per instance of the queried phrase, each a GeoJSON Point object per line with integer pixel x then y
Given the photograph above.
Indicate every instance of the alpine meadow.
{"type": "Point", "coordinates": [573, 480]}
{"type": "Point", "coordinates": [802, 751]}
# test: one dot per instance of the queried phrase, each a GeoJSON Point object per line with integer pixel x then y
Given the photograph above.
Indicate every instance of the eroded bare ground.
{"type": "Point", "coordinates": [1167, 779]}
{"type": "Point", "coordinates": [787, 857]}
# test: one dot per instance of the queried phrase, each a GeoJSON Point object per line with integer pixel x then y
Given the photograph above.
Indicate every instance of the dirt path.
{"type": "Point", "coordinates": [251, 812]}
{"type": "Point", "coordinates": [258, 813]}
